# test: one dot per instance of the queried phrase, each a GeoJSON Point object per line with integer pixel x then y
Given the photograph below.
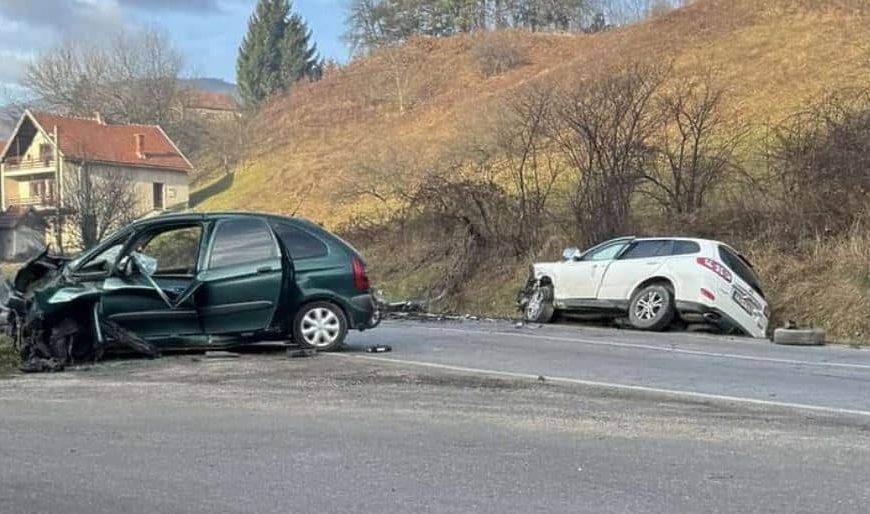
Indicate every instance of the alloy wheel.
{"type": "Point", "coordinates": [320, 327]}
{"type": "Point", "coordinates": [649, 306]}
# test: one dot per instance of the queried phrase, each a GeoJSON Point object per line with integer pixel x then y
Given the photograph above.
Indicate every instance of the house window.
{"type": "Point", "coordinates": [157, 196]}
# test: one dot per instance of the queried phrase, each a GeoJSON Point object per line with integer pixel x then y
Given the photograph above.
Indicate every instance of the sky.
{"type": "Point", "coordinates": [208, 32]}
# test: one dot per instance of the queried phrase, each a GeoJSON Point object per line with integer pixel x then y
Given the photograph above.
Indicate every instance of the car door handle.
{"type": "Point", "coordinates": [264, 269]}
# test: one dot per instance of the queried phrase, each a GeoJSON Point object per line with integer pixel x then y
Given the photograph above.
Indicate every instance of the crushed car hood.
{"type": "Point", "coordinates": [37, 271]}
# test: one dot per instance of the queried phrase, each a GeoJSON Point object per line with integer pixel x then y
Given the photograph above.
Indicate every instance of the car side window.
{"type": "Point", "coordinates": [174, 249]}
{"type": "Point", "coordinates": [685, 248]}
{"type": "Point", "coordinates": [648, 249]}
{"type": "Point", "coordinates": [605, 253]}
{"type": "Point", "coordinates": [299, 243]}
{"type": "Point", "coordinates": [242, 240]}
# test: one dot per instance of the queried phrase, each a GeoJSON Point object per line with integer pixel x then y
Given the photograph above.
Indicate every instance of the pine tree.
{"type": "Point", "coordinates": [275, 53]}
{"type": "Point", "coordinates": [299, 59]}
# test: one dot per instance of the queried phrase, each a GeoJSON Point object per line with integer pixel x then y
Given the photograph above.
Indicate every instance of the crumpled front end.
{"type": "Point", "coordinates": [54, 321]}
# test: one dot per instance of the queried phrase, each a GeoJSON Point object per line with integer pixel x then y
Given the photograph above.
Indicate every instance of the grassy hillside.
{"type": "Point", "coordinates": [394, 114]}
{"type": "Point", "coordinates": [772, 58]}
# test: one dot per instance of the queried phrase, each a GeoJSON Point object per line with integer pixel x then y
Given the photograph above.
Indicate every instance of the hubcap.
{"type": "Point", "coordinates": [320, 327]}
{"type": "Point", "coordinates": [536, 303]}
{"type": "Point", "coordinates": [649, 306]}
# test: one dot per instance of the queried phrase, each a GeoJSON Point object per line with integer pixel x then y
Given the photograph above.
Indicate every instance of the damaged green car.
{"type": "Point", "coordinates": [186, 281]}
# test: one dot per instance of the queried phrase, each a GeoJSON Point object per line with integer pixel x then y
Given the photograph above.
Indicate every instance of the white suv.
{"type": "Point", "coordinates": [653, 282]}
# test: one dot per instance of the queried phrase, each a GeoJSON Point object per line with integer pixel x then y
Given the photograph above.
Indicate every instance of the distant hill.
{"type": "Point", "coordinates": [772, 56]}
{"type": "Point", "coordinates": [213, 85]}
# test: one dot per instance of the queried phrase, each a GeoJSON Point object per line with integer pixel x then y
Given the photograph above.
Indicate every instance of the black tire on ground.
{"type": "Point", "coordinates": [321, 326]}
{"type": "Point", "coordinates": [795, 337]}
{"type": "Point", "coordinates": [539, 308]}
{"type": "Point", "coordinates": [652, 308]}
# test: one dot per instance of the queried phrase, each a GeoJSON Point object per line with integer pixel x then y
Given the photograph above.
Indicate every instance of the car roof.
{"type": "Point", "coordinates": [204, 216]}
{"type": "Point", "coordinates": [677, 238]}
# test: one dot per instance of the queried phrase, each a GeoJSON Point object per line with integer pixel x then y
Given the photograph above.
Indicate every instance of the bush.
{"type": "Point", "coordinates": [497, 52]}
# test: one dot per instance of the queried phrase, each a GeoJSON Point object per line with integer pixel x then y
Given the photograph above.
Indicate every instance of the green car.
{"type": "Point", "coordinates": [195, 280]}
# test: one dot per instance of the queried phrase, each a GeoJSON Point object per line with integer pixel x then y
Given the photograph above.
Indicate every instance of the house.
{"type": "Point", "coordinates": [209, 106]}
{"type": "Point", "coordinates": [45, 150]}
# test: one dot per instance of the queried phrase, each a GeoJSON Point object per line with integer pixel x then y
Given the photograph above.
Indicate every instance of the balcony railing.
{"type": "Point", "coordinates": [13, 164]}
{"type": "Point", "coordinates": [34, 201]}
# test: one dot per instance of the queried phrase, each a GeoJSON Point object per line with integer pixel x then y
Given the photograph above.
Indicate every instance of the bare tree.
{"type": "Point", "coordinates": [695, 147]}
{"type": "Point", "coordinates": [133, 79]}
{"type": "Point", "coordinates": [525, 138]}
{"type": "Point", "coordinates": [96, 203]}
{"type": "Point", "coordinates": [606, 137]}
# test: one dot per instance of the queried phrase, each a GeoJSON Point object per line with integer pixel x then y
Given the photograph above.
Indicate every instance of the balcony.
{"type": "Point", "coordinates": [18, 166]}
{"type": "Point", "coordinates": [39, 201]}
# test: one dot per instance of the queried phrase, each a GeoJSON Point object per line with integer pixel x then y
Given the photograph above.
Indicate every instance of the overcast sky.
{"type": "Point", "coordinates": [207, 31]}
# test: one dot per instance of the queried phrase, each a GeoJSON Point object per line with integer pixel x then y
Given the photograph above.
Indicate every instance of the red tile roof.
{"type": "Point", "coordinates": [199, 99]}
{"type": "Point", "coordinates": [88, 139]}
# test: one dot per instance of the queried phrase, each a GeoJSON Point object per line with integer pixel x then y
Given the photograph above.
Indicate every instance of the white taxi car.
{"type": "Point", "coordinates": [652, 282]}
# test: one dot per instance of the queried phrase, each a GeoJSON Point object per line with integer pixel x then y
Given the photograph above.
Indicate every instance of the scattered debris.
{"type": "Point", "coordinates": [295, 353]}
{"type": "Point", "coordinates": [379, 348]}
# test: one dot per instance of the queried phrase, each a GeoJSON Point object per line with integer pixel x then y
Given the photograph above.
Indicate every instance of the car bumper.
{"type": "Point", "coordinates": [696, 312]}
{"type": "Point", "coordinates": [364, 312]}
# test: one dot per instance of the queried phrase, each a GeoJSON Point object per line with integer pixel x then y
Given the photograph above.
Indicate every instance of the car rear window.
{"type": "Point", "coordinates": [238, 241]}
{"type": "Point", "coordinates": [299, 243]}
{"type": "Point", "coordinates": [741, 267]}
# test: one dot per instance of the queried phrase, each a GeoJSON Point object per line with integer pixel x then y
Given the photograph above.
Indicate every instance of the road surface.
{"type": "Point", "coordinates": [455, 419]}
{"type": "Point", "coordinates": [833, 379]}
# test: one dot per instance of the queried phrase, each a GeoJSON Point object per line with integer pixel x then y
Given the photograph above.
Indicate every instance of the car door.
{"type": "Point", "coordinates": [640, 261]}
{"type": "Point", "coordinates": [579, 279]}
{"type": "Point", "coordinates": [242, 277]}
{"type": "Point", "coordinates": [155, 300]}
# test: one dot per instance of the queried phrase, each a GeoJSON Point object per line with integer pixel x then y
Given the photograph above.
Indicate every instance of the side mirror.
{"type": "Point", "coordinates": [571, 254]}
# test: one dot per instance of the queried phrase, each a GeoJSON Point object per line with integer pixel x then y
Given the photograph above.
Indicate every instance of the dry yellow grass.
{"type": "Point", "coordinates": [773, 56]}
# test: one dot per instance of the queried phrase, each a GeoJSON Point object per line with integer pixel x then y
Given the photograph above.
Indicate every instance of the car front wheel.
{"type": "Point", "coordinates": [652, 308]}
{"type": "Point", "coordinates": [539, 308]}
{"type": "Point", "coordinates": [320, 325]}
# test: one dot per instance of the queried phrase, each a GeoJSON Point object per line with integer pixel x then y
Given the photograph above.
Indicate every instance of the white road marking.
{"type": "Point", "coordinates": [620, 387]}
{"type": "Point", "coordinates": [639, 346]}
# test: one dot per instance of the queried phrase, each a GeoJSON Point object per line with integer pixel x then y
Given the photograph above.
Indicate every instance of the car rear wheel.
{"type": "Point", "coordinates": [539, 308]}
{"type": "Point", "coordinates": [320, 325]}
{"type": "Point", "coordinates": [652, 308]}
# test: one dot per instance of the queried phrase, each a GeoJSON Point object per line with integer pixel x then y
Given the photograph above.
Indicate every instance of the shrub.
{"type": "Point", "coordinates": [497, 52]}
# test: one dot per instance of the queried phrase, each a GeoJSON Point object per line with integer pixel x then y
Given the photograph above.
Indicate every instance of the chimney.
{"type": "Point", "coordinates": [140, 145]}
{"type": "Point", "coordinates": [99, 118]}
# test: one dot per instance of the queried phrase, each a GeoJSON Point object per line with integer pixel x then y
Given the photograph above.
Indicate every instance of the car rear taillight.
{"type": "Point", "coordinates": [716, 267]}
{"type": "Point", "coordinates": [706, 293]}
{"type": "Point", "coordinates": [360, 279]}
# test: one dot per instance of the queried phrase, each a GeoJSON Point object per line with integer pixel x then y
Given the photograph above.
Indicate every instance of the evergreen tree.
{"type": "Point", "coordinates": [299, 59]}
{"type": "Point", "coordinates": [276, 52]}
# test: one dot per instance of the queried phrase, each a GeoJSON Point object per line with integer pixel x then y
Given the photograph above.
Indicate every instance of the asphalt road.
{"type": "Point", "coordinates": [363, 433]}
{"type": "Point", "coordinates": [829, 379]}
